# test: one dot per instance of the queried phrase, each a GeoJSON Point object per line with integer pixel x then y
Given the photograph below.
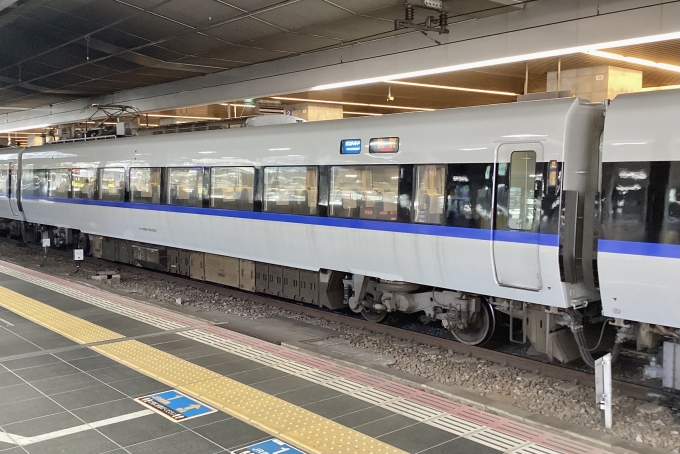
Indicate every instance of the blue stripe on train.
{"type": "Point", "coordinates": [397, 227]}
{"type": "Point", "coordinates": [638, 248]}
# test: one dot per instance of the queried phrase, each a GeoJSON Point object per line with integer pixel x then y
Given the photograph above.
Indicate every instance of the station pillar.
{"type": "Point", "coordinates": [597, 83]}
{"type": "Point", "coordinates": [316, 111]}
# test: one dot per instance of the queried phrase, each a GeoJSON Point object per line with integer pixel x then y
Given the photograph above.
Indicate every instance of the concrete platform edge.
{"type": "Point", "coordinates": [466, 397]}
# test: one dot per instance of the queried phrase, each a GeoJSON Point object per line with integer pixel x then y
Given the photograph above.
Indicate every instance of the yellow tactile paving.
{"type": "Point", "coordinates": [67, 325]}
{"type": "Point", "coordinates": [297, 426]}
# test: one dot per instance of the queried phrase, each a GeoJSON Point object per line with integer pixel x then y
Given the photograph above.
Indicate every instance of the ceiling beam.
{"type": "Point", "coordinates": [541, 27]}
{"type": "Point", "coordinates": [4, 4]}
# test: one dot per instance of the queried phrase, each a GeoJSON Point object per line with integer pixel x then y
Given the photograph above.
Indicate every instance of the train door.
{"type": "Point", "coordinates": [515, 241]}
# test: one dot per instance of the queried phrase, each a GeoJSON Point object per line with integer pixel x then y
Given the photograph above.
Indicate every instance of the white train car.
{"type": "Point", "coordinates": [401, 205]}
{"type": "Point", "coordinates": [9, 208]}
{"type": "Point", "coordinates": [639, 244]}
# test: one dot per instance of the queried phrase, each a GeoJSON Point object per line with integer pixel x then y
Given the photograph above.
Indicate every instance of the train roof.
{"type": "Point", "coordinates": [454, 135]}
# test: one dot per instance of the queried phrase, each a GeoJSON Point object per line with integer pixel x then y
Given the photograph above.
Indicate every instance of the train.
{"type": "Point", "coordinates": [561, 216]}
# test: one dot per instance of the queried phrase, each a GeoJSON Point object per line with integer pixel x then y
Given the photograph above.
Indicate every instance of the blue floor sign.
{"type": "Point", "coordinates": [272, 446]}
{"type": "Point", "coordinates": [175, 405]}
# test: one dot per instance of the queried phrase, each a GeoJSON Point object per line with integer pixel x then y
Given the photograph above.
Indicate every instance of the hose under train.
{"type": "Point", "coordinates": [577, 329]}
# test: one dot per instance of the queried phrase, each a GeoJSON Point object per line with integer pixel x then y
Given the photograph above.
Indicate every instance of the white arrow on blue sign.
{"type": "Point", "coordinates": [272, 446]}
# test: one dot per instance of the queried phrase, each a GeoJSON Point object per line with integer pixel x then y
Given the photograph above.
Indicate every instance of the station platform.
{"type": "Point", "coordinates": [86, 371]}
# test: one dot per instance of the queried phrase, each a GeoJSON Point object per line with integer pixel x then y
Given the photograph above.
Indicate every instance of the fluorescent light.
{"type": "Point", "coordinates": [230, 104]}
{"type": "Point", "coordinates": [502, 60]}
{"type": "Point", "coordinates": [181, 116]}
{"type": "Point", "coordinates": [384, 106]}
{"type": "Point", "coordinates": [362, 113]}
{"type": "Point", "coordinates": [633, 60]}
{"type": "Point", "coordinates": [24, 128]}
{"type": "Point", "coordinates": [662, 87]}
{"type": "Point", "coordinates": [447, 87]}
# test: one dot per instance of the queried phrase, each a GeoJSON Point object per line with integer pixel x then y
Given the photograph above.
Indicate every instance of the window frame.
{"type": "Point", "coordinates": [237, 206]}
{"type": "Point", "coordinates": [263, 171]}
{"type": "Point", "coordinates": [34, 171]}
{"type": "Point", "coordinates": [331, 181]}
{"type": "Point", "coordinates": [166, 198]}
{"type": "Point", "coordinates": [49, 183]}
{"type": "Point", "coordinates": [99, 195]}
{"type": "Point", "coordinates": [95, 185]}
{"type": "Point", "coordinates": [416, 191]}
{"type": "Point", "coordinates": [160, 184]}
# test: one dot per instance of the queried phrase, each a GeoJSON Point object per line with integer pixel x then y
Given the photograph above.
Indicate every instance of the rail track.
{"type": "Point", "coordinates": [561, 372]}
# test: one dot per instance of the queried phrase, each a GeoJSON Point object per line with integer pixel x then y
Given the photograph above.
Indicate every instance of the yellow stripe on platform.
{"type": "Point", "coordinates": [297, 426]}
{"type": "Point", "coordinates": [67, 325]}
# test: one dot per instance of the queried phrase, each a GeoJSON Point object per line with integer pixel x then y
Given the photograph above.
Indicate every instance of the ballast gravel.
{"type": "Point", "coordinates": [545, 396]}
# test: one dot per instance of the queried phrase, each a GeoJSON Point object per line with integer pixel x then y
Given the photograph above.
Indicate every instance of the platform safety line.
{"type": "Point", "coordinates": [70, 326]}
{"type": "Point", "coordinates": [121, 306]}
{"type": "Point", "coordinates": [290, 423]}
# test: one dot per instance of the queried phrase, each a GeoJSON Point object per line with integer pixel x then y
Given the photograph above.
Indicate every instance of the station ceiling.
{"type": "Point", "coordinates": [59, 50]}
{"type": "Point", "coordinates": [54, 51]}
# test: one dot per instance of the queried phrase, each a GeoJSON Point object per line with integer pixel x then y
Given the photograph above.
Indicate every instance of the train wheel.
{"type": "Point", "coordinates": [373, 316]}
{"type": "Point", "coordinates": [481, 330]}
{"type": "Point", "coordinates": [370, 314]}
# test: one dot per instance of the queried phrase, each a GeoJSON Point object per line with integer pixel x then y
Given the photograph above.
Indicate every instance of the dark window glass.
{"type": "Point", "coordinates": [469, 195]}
{"type": "Point", "coordinates": [290, 190]}
{"type": "Point", "coordinates": [232, 188]}
{"type": "Point", "coordinates": [83, 183]}
{"type": "Point", "coordinates": [670, 233]}
{"type": "Point", "coordinates": [145, 185]}
{"type": "Point", "coordinates": [364, 192]}
{"type": "Point", "coordinates": [34, 182]}
{"type": "Point", "coordinates": [624, 204]}
{"type": "Point", "coordinates": [112, 184]}
{"type": "Point", "coordinates": [185, 187]}
{"type": "Point", "coordinates": [552, 193]}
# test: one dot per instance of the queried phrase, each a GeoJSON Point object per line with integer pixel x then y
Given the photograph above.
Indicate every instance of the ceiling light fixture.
{"type": "Point", "coordinates": [502, 60]}
{"type": "Point", "coordinates": [233, 104]}
{"type": "Point", "coordinates": [633, 60]}
{"type": "Point", "coordinates": [448, 87]}
{"type": "Point", "coordinates": [181, 116]}
{"type": "Point", "coordinates": [342, 103]}
{"type": "Point", "coordinates": [370, 114]}
{"type": "Point", "coordinates": [25, 128]}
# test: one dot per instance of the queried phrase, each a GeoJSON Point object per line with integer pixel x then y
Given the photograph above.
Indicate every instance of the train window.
{"type": "Point", "coordinates": [4, 179]}
{"type": "Point", "coordinates": [145, 185]}
{"type": "Point", "coordinates": [185, 187]}
{"type": "Point", "coordinates": [521, 190]}
{"type": "Point", "coordinates": [625, 187]}
{"type": "Point", "coordinates": [671, 224]}
{"type": "Point", "coordinates": [83, 183]}
{"type": "Point", "coordinates": [34, 183]}
{"type": "Point", "coordinates": [232, 188]}
{"type": "Point", "coordinates": [364, 192]}
{"type": "Point", "coordinates": [429, 194]}
{"type": "Point", "coordinates": [59, 183]}
{"type": "Point", "coordinates": [112, 184]}
{"type": "Point", "coordinates": [469, 191]}
{"type": "Point", "coordinates": [290, 190]}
